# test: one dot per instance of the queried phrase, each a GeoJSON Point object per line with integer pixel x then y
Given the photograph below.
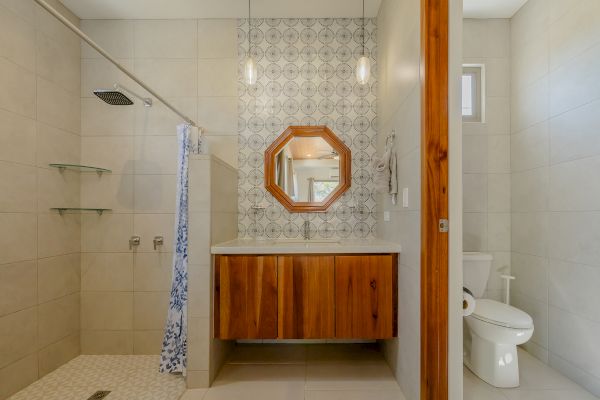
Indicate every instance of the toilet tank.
{"type": "Point", "coordinates": [476, 271]}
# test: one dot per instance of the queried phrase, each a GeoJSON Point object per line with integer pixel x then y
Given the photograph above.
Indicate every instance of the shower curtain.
{"type": "Point", "coordinates": [174, 348]}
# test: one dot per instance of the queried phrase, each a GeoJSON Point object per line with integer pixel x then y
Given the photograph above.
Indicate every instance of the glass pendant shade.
{"type": "Point", "coordinates": [363, 70]}
{"type": "Point", "coordinates": [250, 71]}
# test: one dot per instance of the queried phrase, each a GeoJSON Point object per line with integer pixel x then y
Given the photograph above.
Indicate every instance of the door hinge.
{"type": "Point", "coordinates": [444, 225]}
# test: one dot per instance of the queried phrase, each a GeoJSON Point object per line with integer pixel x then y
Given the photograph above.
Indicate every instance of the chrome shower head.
{"type": "Point", "coordinates": [113, 97]}
{"type": "Point", "coordinates": [117, 96]}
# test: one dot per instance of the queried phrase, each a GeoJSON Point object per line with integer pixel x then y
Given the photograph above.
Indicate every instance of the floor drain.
{"type": "Point", "coordinates": [100, 394]}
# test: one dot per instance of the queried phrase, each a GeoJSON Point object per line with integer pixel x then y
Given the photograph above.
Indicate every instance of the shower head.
{"type": "Point", "coordinates": [113, 97]}
{"type": "Point", "coordinates": [116, 97]}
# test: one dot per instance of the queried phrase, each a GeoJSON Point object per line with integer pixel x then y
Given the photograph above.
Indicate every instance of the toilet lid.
{"type": "Point", "coordinates": [501, 314]}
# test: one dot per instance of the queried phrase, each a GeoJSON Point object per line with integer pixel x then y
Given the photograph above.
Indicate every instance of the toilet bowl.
{"type": "Point", "coordinates": [494, 329]}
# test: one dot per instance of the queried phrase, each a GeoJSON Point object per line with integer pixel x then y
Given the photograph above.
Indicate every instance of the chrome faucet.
{"type": "Point", "coordinates": [306, 230]}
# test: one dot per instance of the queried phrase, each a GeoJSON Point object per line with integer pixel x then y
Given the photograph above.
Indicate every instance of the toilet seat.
{"type": "Point", "coordinates": [501, 314]}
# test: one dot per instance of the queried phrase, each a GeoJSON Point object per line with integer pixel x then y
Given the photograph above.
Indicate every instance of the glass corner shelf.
{"type": "Point", "coordinates": [63, 210]}
{"type": "Point", "coordinates": [80, 168]}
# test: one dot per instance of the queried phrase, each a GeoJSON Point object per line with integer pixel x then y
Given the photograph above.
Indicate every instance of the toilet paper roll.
{"type": "Point", "coordinates": [468, 303]}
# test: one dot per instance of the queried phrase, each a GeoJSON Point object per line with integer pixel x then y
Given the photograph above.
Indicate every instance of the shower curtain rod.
{"type": "Point", "coordinates": [110, 58]}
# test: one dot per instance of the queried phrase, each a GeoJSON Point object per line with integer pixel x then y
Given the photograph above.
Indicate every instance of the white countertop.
{"type": "Point", "coordinates": [299, 246]}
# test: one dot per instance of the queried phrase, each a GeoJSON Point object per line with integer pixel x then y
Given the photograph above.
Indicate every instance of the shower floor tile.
{"type": "Point", "coordinates": [126, 377]}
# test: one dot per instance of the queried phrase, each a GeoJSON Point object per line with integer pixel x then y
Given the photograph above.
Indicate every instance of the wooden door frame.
{"type": "Point", "coordinates": [434, 198]}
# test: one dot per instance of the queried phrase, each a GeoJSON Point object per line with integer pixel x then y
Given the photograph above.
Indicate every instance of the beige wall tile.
{"type": "Point", "coordinates": [217, 77]}
{"type": "Point", "coordinates": [55, 146]}
{"type": "Point", "coordinates": [18, 237]}
{"type": "Point", "coordinates": [224, 147]}
{"type": "Point", "coordinates": [57, 188]}
{"type": "Point", "coordinates": [169, 77]}
{"type": "Point", "coordinates": [17, 39]}
{"type": "Point", "coordinates": [107, 311]}
{"type": "Point", "coordinates": [17, 188]}
{"type": "Point", "coordinates": [153, 271]}
{"type": "Point", "coordinates": [199, 343]}
{"type": "Point", "coordinates": [58, 107]}
{"type": "Point", "coordinates": [17, 138]}
{"type": "Point", "coordinates": [106, 272]}
{"type": "Point", "coordinates": [165, 39]}
{"type": "Point", "coordinates": [58, 235]}
{"type": "Point", "coordinates": [18, 286]}
{"type": "Point", "coordinates": [107, 191]}
{"type": "Point", "coordinates": [19, 89]}
{"type": "Point", "coordinates": [18, 375]}
{"type": "Point", "coordinates": [59, 353]}
{"type": "Point", "coordinates": [106, 233]}
{"type": "Point", "coordinates": [200, 290]}
{"type": "Point", "coordinates": [99, 118]}
{"type": "Point", "coordinates": [150, 310]}
{"type": "Point", "coordinates": [58, 319]}
{"type": "Point", "coordinates": [197, 379]}
{"type": "Point", "coordinates": [155, 193]}
{"type": "Point", "coordinates": [217, 38]}
{"type": "Point", "coordinates": [218, 114]}
{"type": "Point", "coordinates": [200, 234]}
{"type": "Point", "coordinates": [18, 336]}
{"type": "Point", "coordinates": [155, 155]}
{"type": "Point", "coordinates": [58, 276]}
{"type": "Point", "coordinates": [58, 63]}
{"type": "Point", "coordinates": [147, 342]}
{"type": "Point", "coordinates": [106, 342]}
{"type": "Point", "coordinates": [114, 153]}
{"type": "Point", "coordinates": [114, 36]}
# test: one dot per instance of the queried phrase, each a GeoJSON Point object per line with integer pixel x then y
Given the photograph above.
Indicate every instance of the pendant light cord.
{"type": "Point", "coordinates": [363, 29]}
{"type": "Point", "coordinates": [249, 29]}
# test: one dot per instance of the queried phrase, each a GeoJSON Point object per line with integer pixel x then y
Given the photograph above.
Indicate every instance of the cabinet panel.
{"type": "Point", "coordinates": [246, 297]}
{"type": "Point", "coordinates": [364, 296]}
{"type": "Point", "coordinates": [306, 297]}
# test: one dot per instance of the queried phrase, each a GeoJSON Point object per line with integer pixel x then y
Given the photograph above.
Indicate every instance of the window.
{"type": "Point", "coordinates": [323, 188]}
{"type": "Point", "coordinates": [472, 93]}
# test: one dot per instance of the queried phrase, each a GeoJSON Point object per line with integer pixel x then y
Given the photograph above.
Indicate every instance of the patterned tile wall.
{"type": "Point", "coordinates": [306, 77]}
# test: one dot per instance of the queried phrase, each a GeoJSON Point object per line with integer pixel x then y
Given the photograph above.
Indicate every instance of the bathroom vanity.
{"type": "Point", "coordinates": [283, 289]}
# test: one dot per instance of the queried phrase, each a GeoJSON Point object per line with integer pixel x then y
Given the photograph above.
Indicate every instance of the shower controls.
{"type": "Point", "coordinates": [158, 241]}
{"type": "Point", "coordinates": [134, 241]}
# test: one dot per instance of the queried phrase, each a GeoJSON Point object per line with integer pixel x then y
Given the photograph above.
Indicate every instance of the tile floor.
{"type": "Point", "coordinates": [538, 382]}
{"type": "Point", "coordinates": [127, 377]}
{"type": "Point", "coordinates": [299, 372]}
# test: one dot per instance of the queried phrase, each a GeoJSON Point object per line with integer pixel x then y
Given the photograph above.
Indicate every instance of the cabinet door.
{"type": "Point", "coordinates": [364, 297]}
{"type": "Point", "coordinates": [246, 297]}
{"type": "Point", "coordinates": [306, 297]}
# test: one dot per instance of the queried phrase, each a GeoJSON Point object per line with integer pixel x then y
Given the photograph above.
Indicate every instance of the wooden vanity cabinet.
{"type": "Point", "coordinates": [305, 296]}
{"type": "Point", "coordinates": [246, 297]}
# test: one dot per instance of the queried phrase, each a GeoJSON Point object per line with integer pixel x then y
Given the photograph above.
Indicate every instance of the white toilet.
{"type": "Point", "coordinates": [494, 329]}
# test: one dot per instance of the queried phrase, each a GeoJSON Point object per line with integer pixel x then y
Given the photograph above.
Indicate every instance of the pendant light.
{"type": "Point", "coordinates": [363, 66]}
{"type": "Point", "coordinates": [250, 70]}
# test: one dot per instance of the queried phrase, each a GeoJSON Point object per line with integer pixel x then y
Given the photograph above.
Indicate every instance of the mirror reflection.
{"type": "Point", "coordinates": [307, 169]}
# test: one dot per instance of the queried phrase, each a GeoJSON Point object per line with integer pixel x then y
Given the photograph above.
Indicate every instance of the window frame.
{"type": "Point", "coordinates": [477, 72]}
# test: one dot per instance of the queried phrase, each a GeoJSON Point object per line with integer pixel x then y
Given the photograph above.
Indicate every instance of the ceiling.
{"type": "Point", "coordinates": [491, 8]}
{"type": "Point", "coordinates": [309, 147]}
{"type": "Point", "coordinates": [175, 9]}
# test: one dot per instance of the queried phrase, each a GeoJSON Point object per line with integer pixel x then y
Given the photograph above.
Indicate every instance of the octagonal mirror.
{"type": "Point", "coordinates": [307, 168]}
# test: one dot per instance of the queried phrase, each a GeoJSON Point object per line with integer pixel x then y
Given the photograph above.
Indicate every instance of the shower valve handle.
{"type": "Point", "coordinates": [134, 241]}
{"type": "Point", "coordinates": [158, 241]}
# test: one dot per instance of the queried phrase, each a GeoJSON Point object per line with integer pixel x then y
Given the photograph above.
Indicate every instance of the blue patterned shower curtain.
{"type": "Point", "coordinates": [173, 357]}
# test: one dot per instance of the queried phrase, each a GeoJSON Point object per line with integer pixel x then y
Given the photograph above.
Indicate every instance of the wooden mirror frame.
{"type": "Point", "coordinates": [308, 131]}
